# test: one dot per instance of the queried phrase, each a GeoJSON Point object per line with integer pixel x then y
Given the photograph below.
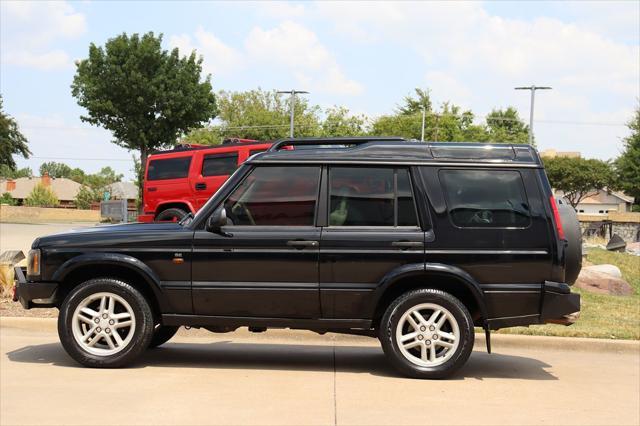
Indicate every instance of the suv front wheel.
{"type": "Point", "coordinates": [105, 323]}
{"type": "Point", "coordinates": [427, 334]}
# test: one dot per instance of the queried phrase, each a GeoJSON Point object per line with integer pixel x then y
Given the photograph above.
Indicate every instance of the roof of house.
{"type": "Point", "coordinates": [124, 190]}
{"type": "Point", "coordinates": [65, 189]}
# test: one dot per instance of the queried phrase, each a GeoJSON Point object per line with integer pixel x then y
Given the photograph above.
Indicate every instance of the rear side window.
{"type": "Point", "coordinates": [486, 198]}
{"type": "Point", "coordinates": [219, 164]}
{"type": "Point", "coordinates": [169, 168]}
{"type": "Point", "coordinates": [275, 196]}
{"type": "Point", "coordinates": [370, 196]}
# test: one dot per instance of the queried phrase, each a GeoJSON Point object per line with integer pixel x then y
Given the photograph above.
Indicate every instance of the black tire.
{"type": "Point", "coordinates": [573, 234]}
{"type": "Point", "coordinates": [173, 214]}
{"type": "Point", "coordinates": [162, 334]}
{"type": "Point", "coordinates": [392, 316]}
{"type": "Point", "coordinates": [142, 331]}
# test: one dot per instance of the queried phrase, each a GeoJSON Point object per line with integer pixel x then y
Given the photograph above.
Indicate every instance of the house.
{"type": "Point", "coordinates": [19, 189]}
{"type": "Point", "coordinates": [552, 153]}
{"type": "Point", "coordinates": [66, 190]}
{"type": "Point", "coordinates": [603, 201]}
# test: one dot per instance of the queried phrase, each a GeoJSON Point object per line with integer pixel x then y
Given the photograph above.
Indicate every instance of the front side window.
{"type": "Point", "coordinates": [275, 196]}
{"type": "Point", "coordinates": [169, 168]}
{"type": "Point", "coordinates": [219, 164]}
{"type": "Point", "coordinates": [370, 196]}
{"type": "Point", "coordinates": [485, 198]}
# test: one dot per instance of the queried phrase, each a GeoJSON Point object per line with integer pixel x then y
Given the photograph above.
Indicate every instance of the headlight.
{"type": "Point", "coordinates": [33, 262]}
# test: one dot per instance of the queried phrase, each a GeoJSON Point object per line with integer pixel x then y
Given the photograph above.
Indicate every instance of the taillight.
{"type": "Point", "coordinates": [556, 217]}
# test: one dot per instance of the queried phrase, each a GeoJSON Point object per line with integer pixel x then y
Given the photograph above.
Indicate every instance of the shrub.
{"type": "Point", "coordinates": [85, 197]}
{"type": "Point", "coordinates": [6, 198]}
{"type": "Point", "coordinates": [41, 196]}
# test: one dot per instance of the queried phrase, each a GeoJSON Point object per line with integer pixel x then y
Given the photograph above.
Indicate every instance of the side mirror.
{"type": "Point", "coordinates": [216, 221]}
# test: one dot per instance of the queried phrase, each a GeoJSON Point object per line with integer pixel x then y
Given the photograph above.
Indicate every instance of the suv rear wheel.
{"type": "Point", "coordinates": [162, 334]}
{"type": "Point", "coordinates": [105, 323]}
{"type": "Point", "coordinates": [427, 334]}
{"type": "Point", "coordinates": [172, 214]}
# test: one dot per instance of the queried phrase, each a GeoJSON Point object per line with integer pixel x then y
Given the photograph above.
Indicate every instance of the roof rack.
{"type": "Point", "coordinates": [333, 141]}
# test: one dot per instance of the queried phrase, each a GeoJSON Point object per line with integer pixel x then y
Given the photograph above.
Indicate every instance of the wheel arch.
{"type": "Point", "coordinates": [437, 276]}
{"type": "Point", "coordinates": [110, 265]}
{"type": "Point", "coordinates": [171, 204]}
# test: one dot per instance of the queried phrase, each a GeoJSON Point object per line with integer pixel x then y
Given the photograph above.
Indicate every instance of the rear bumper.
{"type": "Point", "coordinates": [557, 305]}
{"type": "Point", "coordinates": [32, 294]}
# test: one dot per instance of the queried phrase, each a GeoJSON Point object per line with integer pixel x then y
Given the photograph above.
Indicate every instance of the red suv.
{"type": "Point", "coordinates": [180, 181]}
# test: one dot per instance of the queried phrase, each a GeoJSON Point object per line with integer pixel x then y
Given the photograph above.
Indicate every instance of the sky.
{"type": "Point", "coordinates": [364, 56]}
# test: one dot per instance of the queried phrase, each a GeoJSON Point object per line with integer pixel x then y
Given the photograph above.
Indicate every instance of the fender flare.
{"type": "Point", "coordinates": [161, 206]}
{"type": "Point", "coordinates": [423, 269]}
{"type": "Point", "coordinates": [115, 259]}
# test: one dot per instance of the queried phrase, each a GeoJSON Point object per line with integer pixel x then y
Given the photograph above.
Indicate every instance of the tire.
{"type": "Point", "coordinates": [162, 334]}
{"type": "Point", "coordinates": [110, 302]}
{"type": "Point", "coordinates": [399, 321]}
{"type": "Point", "coordinates": [172, 214]}
{"type": "Point", "coordinates": [573, 234]}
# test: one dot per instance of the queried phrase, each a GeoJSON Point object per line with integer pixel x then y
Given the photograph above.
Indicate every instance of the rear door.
{"type": "Point", "coordinates": [372, 228]}
{"type": "Point", "coordinates": [167, 179]}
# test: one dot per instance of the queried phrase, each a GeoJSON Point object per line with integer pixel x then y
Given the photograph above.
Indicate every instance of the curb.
{"type": "Point", "coordinates": [498, 341]}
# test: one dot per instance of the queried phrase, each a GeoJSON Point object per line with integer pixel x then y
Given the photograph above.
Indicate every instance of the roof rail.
{"type": "Point", "coordinates": [355, 140]}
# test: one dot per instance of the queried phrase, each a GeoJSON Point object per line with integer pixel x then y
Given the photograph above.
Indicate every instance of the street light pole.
{"type": "Point", "coordinates": [533, 89]}
{"type": "Point", "coordinates": [424, 112]}
{"type": "Point", "coordinates": [292, 103]}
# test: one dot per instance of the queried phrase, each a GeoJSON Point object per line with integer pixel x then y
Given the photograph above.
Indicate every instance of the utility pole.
{"type": "Point", "coordinates": [424, 112]}
{"type": "Point", "coordinates": [293, 94]}
{"type": "Point", "coordinates": [533, 89]}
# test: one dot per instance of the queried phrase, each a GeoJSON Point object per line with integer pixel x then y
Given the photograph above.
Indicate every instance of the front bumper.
{"type": "Point", "coordinates": [33, 294]}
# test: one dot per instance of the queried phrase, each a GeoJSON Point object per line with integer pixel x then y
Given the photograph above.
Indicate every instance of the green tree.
{"type": "Point", "coordinates": [11, 140]}
{"type": "Point", "coordinates": [85, 197]}
{"type": "Point", "coordinates": [41, 196]}
{"type": "Point", "coordinates": [9, 173]}
{"type": "Point", "coordinates": [628, 164]}
{"type": "Point", "coordinates": [338, 122]}
{"type": "Point", "coordinates": [579, 178]}
{"type": "Point", "coordinates": [146, 96]}
{"type": "Point", "coordinates": [55, 169]}
{"type": "Point", "coordinates": [506, 126]}
{"type": "Point", "coordinates": [6, 198]}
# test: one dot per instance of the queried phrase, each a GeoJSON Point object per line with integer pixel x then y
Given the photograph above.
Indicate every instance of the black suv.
{"type": "Point", "coordinates": [413, 243]}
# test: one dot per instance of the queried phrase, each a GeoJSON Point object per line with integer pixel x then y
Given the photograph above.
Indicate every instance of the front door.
{"type": "Point", "coordinates": [267, 263]}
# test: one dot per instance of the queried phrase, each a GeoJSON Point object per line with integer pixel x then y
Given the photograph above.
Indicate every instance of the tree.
{"type": "Point", "coordinates": [506, 126]}
{"type": "Point", "coordinates": [95, 185]}
{"type": "Point", "coordinates": [85, 197]}
{"type": "Point", "coordinates": [41, 196]}
{"type": "Point", "coordinates": [9, 173]}
{"type": "Point", "coordinates": [55, 170]}
{"type": "Point", "coordinates": [338, 122]}
{"type": "Point", "coordinates": [11, 140]}
{"type": "Point", "coordinates": [146, 96]}
{"type": "Point", "coordinates": [628, 164]}
{"type": "Point", "coordinates": [579, 178]}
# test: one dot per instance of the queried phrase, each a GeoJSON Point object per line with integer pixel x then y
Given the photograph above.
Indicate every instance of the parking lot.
{"type": "Point", "coordinates": [290, 377]}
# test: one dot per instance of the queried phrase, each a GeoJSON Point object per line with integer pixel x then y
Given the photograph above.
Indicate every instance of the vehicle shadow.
{"type": "Point", "coordinates": [262, 356]}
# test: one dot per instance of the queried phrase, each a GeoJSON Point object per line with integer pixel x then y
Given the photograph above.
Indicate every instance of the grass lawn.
{"type": "Point", "coordinates": [601, 316]}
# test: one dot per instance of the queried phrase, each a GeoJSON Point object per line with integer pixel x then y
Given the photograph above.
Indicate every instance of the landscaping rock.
{"type": "Point", "coordinates": [605, 269]}
{"type": "Point", "coordinates": [634, 248]}
{"type": "Point", "coordinates": [602, 283]}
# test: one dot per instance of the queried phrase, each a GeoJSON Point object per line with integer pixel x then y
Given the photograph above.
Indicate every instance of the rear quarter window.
{"type": "Point", "coordinates": [219, 164]}
{"type": "Point", "coordinates": [486, 198]}
{"type": "Point", "coordinates": [169, 168]}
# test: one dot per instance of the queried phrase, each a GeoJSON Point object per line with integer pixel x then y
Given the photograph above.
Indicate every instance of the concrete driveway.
{"type": "Point", "coordinates": [19, 236]}
{"type": "Point", "coordinates": [287, 377]}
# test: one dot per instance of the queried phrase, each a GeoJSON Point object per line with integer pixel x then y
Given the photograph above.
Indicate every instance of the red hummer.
{"type": "Point", "coordinates": [180, 181]}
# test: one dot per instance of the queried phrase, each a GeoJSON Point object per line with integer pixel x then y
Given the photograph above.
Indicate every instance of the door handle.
{"type": "Point", "coordinates": [152, 189]}
{"type": "Point", "coordinates": [201, 186]}
{"type": "Point", "coordinates": [404, 245]}
{"type": "Point", "coordinates": [300, 244]}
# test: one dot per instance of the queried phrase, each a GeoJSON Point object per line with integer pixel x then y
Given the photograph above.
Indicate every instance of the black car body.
{"type": "Point", "coordinates": [328, 235]}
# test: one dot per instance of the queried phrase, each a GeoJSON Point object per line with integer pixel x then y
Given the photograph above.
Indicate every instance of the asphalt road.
{"type": "Point", "coordinates": [287, 377]}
